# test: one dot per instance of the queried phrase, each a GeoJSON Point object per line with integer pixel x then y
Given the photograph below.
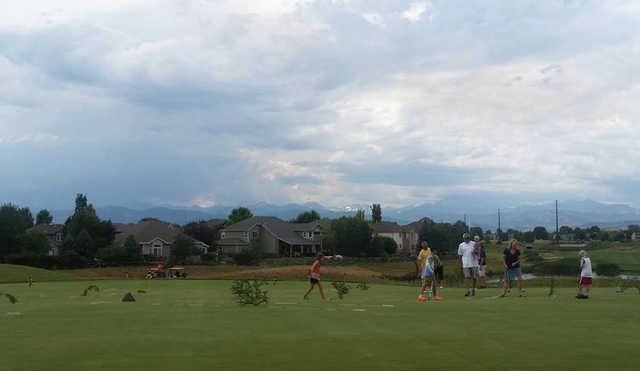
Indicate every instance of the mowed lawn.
{"type": "Point", "coordinates": [195, 325]}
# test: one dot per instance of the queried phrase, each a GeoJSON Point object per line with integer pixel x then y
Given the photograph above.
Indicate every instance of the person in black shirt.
{"type": "Point", "coordinates": [511, 262]}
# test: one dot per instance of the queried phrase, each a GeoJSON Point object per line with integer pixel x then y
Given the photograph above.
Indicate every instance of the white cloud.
{"type": "Point", "coordinates": [415, 11]}
{"type": "Point", "coordinates": [374, 18]}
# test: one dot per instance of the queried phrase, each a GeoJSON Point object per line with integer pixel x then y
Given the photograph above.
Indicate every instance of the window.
{"type": "Point", "coordinates": [254, 234]}
{"type": "Point", "coordinates": [223, 235]}
{"type": "Point", "coordinates": [156, 251]}
{"type": "Point", "coordinates": [58, 237]}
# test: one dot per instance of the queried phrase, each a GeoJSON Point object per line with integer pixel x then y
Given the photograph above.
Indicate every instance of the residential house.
{"type": "Point", "coordinates": [274, 236]}
{"type": "Point", "coordinates": [53, 232]}
{"type": "Point", "coordinates": [635, 236]}
{"type": "Point", "coordinates": [154, 237]}
{"type": "Point", "coordinates": [406, 236]}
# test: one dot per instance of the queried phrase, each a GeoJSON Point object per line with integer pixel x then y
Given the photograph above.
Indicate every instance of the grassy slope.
{"type": "Point", "coordinates": [194, 325]}
{"type": "Point", "coordinates": [20, 273]}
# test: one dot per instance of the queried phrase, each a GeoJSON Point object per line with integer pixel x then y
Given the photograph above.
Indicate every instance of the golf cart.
{"type": "Point", "coordinates": [177, 272]}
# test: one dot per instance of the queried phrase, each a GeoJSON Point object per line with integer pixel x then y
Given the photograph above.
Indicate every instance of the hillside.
{"type": "Point", "coordinates": [21, 273]}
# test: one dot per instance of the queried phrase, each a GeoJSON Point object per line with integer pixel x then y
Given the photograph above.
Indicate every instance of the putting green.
{"type": "Point", "coordinates": [195, 325]}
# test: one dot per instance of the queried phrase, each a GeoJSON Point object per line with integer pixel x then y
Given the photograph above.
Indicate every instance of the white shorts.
{"type": "Point", "coordinates": [482, 271]}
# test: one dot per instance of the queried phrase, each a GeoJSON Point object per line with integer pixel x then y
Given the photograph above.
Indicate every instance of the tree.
{"type": "Point", "coordinates": [44, 217]}
{"type": "Point", "coordinates": [100, 233]}
{"type": "Point", "coordinates": [376, 213]}
{"type": "Point", "coordinates": [383, 246]}
{"type": "Point", "coordinates": [133, 250]}
{"type": "Point", "coordinates": [351, 236]}
{"type": "Point", "coordinates": [14, 221]}
{"type": "Point", "coordinates": [239, 214]}
{"type": "Point", "coordinates": [84, 245]}
{"type": "Point", "coordinates": [540, 233]}
{"type": "Point", "coordinates": [565, 230]}
{"type": "Point", "coordinates": [529, 237]}
{"type": "Point", "coordinates": [33, 243]}
{"type": "Point", "coordinates": [580, 234]}
{"type": "Point", "coordinates": [515, 234]}
{"type": "Point", "coordinates": [360, 214]}
{"type": "Point", "coordinates": [114, 254]}
{"type": "Point", "coordinates": [476, 231]}
{"type": "Point", "coordinates": [182, 248]}
{"type": "Point", "coordinates": [307, 217]}
{"type": "Point", "coordinates": [443, 236]}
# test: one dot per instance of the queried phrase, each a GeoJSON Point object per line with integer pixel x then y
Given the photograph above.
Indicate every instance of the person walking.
{"type": "Point", "coordinates": [512, 271]}
{"type": "Point", "coordinates": [586, 276]}
{"type": "Point", "coordinates": [468, 255]}
{"type": "Point", "coordinates": [314, 277]}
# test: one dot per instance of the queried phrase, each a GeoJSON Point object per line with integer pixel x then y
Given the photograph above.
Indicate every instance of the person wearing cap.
{"type": "Point", "coordinates": [586, 276]}
{"type": "Point", "coordinates": [469, 259]}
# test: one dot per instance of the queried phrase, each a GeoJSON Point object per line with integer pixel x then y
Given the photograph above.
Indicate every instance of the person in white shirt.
{"type": "Point", "coordinates": [586, 276]}
{"type": "Point", "coordinates": [469, 256]}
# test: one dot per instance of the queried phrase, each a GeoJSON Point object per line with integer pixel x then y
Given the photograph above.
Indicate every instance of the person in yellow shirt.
{"type": "Point", "coordinates": [423, 255]}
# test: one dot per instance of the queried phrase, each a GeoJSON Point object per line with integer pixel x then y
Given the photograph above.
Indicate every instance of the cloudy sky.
{"type": "Point", "coordinates": [334, 101]}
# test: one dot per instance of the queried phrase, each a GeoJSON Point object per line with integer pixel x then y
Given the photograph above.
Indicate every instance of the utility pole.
{"type": "Point", "coordinates": [557, 228]}
{"type": "Point", "coordinates": [499, 232]}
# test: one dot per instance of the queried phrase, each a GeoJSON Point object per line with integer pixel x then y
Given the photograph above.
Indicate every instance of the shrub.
{"type": "Point", "coordinates": [250, 256]}
{"type": "Point", "coordinates": [114, 255]}
{"type": "Point", "coordinates": [341, 288]}
{"type": "Point", "coordinates": [72, 259]}
{"type": "Point", "coordinates": [12, 299]}
{"type": "Point", "coordinates": [608, 270]}
{"type": "Point", "coordinates": [249, 291]}
{"type": "Point", "coordinates": [93, 288]}
{"type": "Point", "coordinates": [208, 258]}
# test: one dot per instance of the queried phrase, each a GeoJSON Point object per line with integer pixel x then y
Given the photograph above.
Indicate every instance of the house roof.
{"type": "Point", "coordinates": [49, 229]}
{"type": "Point", "coordinates": [213, 223]}
{"type": "Point", "coordinates": [146, 231]}
{"type": "Point", "coordinates": [386, 227]}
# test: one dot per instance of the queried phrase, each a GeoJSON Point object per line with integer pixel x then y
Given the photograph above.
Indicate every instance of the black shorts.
{"type": "Point", "coordinates": [314, 281]}
{"type": "Point", "coordinates": [439, 273]}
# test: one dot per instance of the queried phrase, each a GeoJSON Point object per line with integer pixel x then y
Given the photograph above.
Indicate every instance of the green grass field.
{"type": "Point", "coordinates": [195, 325]}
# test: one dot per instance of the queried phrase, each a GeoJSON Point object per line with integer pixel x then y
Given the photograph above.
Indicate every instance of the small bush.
{"type": "Point", "coordinates": [249, 256]}
{"type": "Point", "coordinates": [610, 270]}
{"type": "Point", "coordinates": [250, 291]}
{"type": "Point", "coordinates": [90, 288]}
{"type": "Point", "coordinates": [12, 299]}
{"type": "Point", "coordinates": [363, 285]}
{"type": "Point", "coordinates": [341, 288]}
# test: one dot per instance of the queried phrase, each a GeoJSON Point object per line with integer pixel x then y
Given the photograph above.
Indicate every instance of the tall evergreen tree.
{"type": "Point", "coordinates": [376, 213]}
{"type": "Point", "coordinates": [44, 217]}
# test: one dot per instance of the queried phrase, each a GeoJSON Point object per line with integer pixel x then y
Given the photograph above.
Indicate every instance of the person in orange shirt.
{"type": "Point", "coordinates": [314, 277]}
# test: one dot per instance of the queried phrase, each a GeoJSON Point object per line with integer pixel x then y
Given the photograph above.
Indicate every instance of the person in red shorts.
{"type": "Point", "coordinates": [586, 276]}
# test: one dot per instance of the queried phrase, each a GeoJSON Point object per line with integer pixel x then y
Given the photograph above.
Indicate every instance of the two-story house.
{"type": "Point", "coordinates": [274, 236]}
{"type": "Point", "coordinates": [406, 236]}
{"type": "Point", "coordinates": [154, 237]}
{"type": "Point", "coordinates": [53, 232]}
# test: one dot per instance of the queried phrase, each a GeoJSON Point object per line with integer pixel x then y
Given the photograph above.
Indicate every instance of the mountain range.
{"type": "Point", "coordinates": [481, 214]}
